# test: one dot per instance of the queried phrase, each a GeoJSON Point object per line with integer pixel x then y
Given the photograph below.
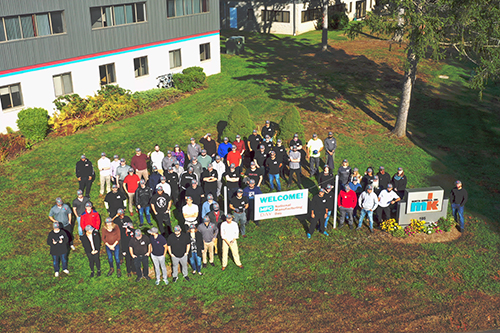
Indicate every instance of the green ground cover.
{"type": "Point", "coordinates": [350, 280]}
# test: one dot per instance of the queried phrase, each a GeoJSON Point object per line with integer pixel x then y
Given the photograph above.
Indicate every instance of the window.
{"type": "Point", "coordinates": [62, 84]}
{"type": "Point", "coordinates": [10, 96]}
{"type": "Point", "coordinates": [311, 14]}
{"type": "Point", "coordinates": [141, 66]}
{"type": "Point", "coordinates": [276, 16]}
{"type": "Point", "coordinates": [107, 74]}
{"type": "Point", "coordinates": [177, 8]}
{"type": "Point", "coordinates": [110, 16]}
{"type": "Point", "coordinates": [204, 51]}
{"type": "Point", "coordinates": [175, 58]}
{"type": "Point", "coordinates": [31, 25]}
{"type": "Point", "coordinates": [250, 14]}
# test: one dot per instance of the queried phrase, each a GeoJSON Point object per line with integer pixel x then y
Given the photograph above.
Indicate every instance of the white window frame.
{"type": "Point", "coordinates": [10, 95]}
{"type": "Point", "coordinates": [62, 83]}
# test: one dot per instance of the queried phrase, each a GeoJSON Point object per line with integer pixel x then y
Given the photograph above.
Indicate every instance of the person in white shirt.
{"type": "Point", "coordinates": [368, 202]}
{"type": "Point", "coordinates": [229, 232]}
{"type": "Point", "coordinates": [115, 163]}
{"type": "Point", "coordinates": [190, 212]}
{"type": "Point", "coordinates": [178, 169]}
{"type": "Point", "coordinates": [156, 158]}
{"type": "Point", "coordinates": [104, 166]}
{"type": "Point", "coordinates": [314, 148]}
{"type": "Point", "coordinates": [165, 186]}
{"type": "Point", "coordinates": [220, 167]}
{"type": "Point", "coordinates": [386, 199]}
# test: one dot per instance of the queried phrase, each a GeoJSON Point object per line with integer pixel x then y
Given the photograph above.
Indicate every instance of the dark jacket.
{"type": "Point", "coordinates": [84, 169]}
{"type": "Point", "coordinates": [86, 243]}
{"type": "Point", "coordinates": [222, 217]}
{"type": "Point", "coordinates": [143, 196]}
{"type": "Point", "coordinates": [59, 247]}
{"type": "Point", "coordinates": [154, 179]}
{"type": "Point", "coordinates": [199, 243]}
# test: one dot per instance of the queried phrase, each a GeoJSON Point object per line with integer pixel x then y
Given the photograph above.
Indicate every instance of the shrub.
{"type": "Point", "coordinates": [33, 124]}
{"type": "Point", "coordinates": [194, 69]}
{"type": "Point", "coordinates": [191, 78]}
{"type": "Point", "coordinates": [415, 227]}
{"type": "Point", "coordinates": [112, 90]}
{"type": "Point", "coordinates": [10, 145]}
{"type": "Point", "coordinates": [446, 223]}
{"type": "Point", "coordinates": [238, 122]}
{"type": "Point", "coordinates": [290, 124]}
{"type": "Point", "coordinates": [156, 97]}
{"type": "Point", "coordinates": [336, 21]}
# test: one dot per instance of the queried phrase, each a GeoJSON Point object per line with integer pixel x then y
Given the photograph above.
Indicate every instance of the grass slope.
{"type": "Point", "coordinates": [348, 282]}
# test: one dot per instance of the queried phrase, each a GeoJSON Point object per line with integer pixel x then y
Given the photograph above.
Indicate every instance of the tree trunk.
{"type": "Point", "coordinates": [324, 37]}
{"type": "Point", "coordinates": [408, 81]}
{"type": "Point", "coordinates": [398, 34]}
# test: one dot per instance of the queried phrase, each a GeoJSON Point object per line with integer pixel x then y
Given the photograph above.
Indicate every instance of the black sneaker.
{"type": "Point", "coordinates": [204, 265]}
{"type": "Point", "coordinates": [187, 278]}
{"type": "Point", "coordinates": [212, 264]}
{"type": "Point", "coordinates": [341, 226]}
{"type": "Point", "coordinates": [138, 279]}
{"type": "Point", "coordinates": [98, 273]}
{"type": "Point", "coordinates": [174, 279]}
{"type": "Point", "coordinates": [92, 274]}
{"type": "Point", "coordinates": [147, 278]}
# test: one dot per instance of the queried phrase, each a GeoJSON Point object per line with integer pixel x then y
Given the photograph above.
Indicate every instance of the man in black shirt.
{"type": "Point", "coordinates": [140, 249]}
{"type": "Point", "coordinates": [268, 129]}
{"type": "Point", "coordinates": [232, 179]}
{"type": "Point", "coordinates": [58, 241]}
{"type": "Point", "coordinates": [143, 196]}
{"type": "Point", "coordinates": [209, 145]}
{"type": "Point", "coordinates": [196, 193]}
{"type": "Point", "coordinates": [114, 200]}
{"type": "Point", "coordinates": [178, 248]}
{"type": "Point", "coordinates": [274, 165]}
{"type": "Point", "coordinates": [172, 178]}
{"type": "Point", "coordinates": [85, 175]}
{"type": "Point", "coordinates": [79, 208]}
{"type": "Point", "coordinates": [383, 178]}
{"type": "Point", "coordinates": [239, 205]}
{"type": "Point", "coordinates": [160, 204]}
{"type": "Point", "coordinates": [253, 143]}
{"type": "Point", "coordinates": [260, 157]}
{"type": "Point", "coordinates": [254, 173]}
{"type": "Point", "coordinates": [268, 144]}
{"type": "Point", "coordinates": [281, 156]}
{"type": "Point", "coordinates": [319, 213]}
{"type": "Point", "coordinates": [209, 178]}
{"type": "Point", "coordinates": [187, 178]}
{"type": "Point", "coordinates": [458, 199]}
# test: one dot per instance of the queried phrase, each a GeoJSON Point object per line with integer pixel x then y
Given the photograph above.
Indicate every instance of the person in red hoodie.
{"type": "Point", "coordinates": [90, 217]}
{"type": "Point", "coordinates": [347, 201]}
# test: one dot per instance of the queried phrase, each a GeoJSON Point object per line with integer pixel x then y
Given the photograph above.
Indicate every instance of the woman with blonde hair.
{"type": "Point", "coordinates": [111, 236]}
{"type": "Point", "coordinates": [355, 173]}
{"type": "Point", "coordinates": [196, 249]}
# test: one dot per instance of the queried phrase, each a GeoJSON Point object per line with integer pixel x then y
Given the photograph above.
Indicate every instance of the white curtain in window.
{"type": "Point", "coordinates": [58, 85]}
{"type": "Point", "coordinates": [12, 28]}
{"type": "Point", "coordinates": [27, 25]}
{"type": "Point", "coordinates": [108, 17]}
{"type": "Point", "coordinates": [119, 15]}
{"type": "Point", "coordinates": [43, 25]}
{"type": "Point", "coordinates": [68, 85]}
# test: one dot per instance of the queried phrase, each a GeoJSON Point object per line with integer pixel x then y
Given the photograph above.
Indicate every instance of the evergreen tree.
{"type": "Point", "coordinates": [290, 124]}
{"type": "Point", "coordinates": [238, 122]}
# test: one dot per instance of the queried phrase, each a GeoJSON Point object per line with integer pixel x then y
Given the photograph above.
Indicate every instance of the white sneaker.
{"type": "Point", "coordinates": [73, 247]}
{"type": "Point", "coordinates": [56, 274]}
{"type": "Point", "coordinates": [66, 271]}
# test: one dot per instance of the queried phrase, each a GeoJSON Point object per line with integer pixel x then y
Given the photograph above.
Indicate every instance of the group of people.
{"type": "Point", "coordinates": [192, 181]}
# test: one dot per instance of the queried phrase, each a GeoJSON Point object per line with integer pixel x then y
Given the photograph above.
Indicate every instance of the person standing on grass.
{"type": "Point", "coordinates": [79, 208]}
{"type": "Point", "coordinates": [224, 148]}
{"type": "Point", "coordinates": [143, 196]}
{"type": "Point", "coordinates": [90, 217]}
{"type": "Point", "coordinates": [122, 222]}
{"type": "Point", "coordinates": [239, 205]}
{"type": "Point", "coordinates": [399, 181]}
{"type": "Point", "coordinates": [209, 233]}
{"type": "Point", "coordinates": [326, 177]}
{"type": "Point", "coordinates": [386, 200]}
{"type": "Point", "coordinates": [260, 158]}
{"type": "Point", "coordinates": [268, 144]}
{"type": "Point", "coordinates": [111, 236]}
{"type": "Point", "coordinates": [253, 143]}
{"type": "Point", "coordinates": [154, 179]}
{"type": "Point", "coordinates": [207, 205]}
{"type": "Point", "coordinates": [129, 234]}
{"type": "Point", "coordinates": [121, 173]}
{"type": "Point", "coordinates": [157, 159]}
{"type": "Point", "coordinates": [190, 213]}
{"type": "Point", "coordinates": [178, 248]}
{"type": "Point", "coordinates": [330, 146]}
{"type": "Point", "coordinates": [58, 242]}
{"type": "Point", "coordinates": [161, 204]}
{"type": "Point", "coordinates": [268, 129]}
{"type": "Point", "coordinates": [204, 160]}
{"type": "Point", "coordinates": [114, 200]}
{"type": "Point", "coordinates": [168, 161]}
{"type": "Point", "coordinates": [172, 179]}
{"type": "Point", "coordinates": [458, 199]}
{"type": "Point", "coordinates": [274, 165]}
{"type": "Point", "coordinates": [234, 157]}
{"type": "Point", "coordinates": [254, 173]}
{"type": "Point", "coordinates": [209, 178]}
{"type": "Point", "coordinates": [196, 193]}
{"type": "Point", "coordinates": [197, 168]}
{"type": "Point", "coordinates": [91, 242]}
{"type": "Point", "coordinates": [368, 202]}
{"type": "Point", "coordinates": [356, 187]}
{"type": "Point", "coordinates": [85, 175]}
{"type": "Point", "coordinates": [295, 168]}
{"type": "Point", "coordinates": [249, 193]}
{"type": "Point", "coordinates": [347, 200]}
{"type": "Point", "coordinates": [229, 233]}
{"type": "Point", "coordinates": [139, 163]}
{"type": "Point", "coordinates": [330, 198]}
{"type": "Point", "coordinates": [167, 189]}
{"type": "Point", "coordinates": [179, 156]}
{"type": "Point", "coordinates": [232, 178]}
{"type": "Point", "coordinates": [61, 213]}
{"type": "Point", "coordinates": [115, 163]}
{"type": "Point", "coordinates": [314, 148]}
{"type": "Point", "coordinates": [193, 150]}
{"type": "Point", "coordinates": [196, 249]}
{"type": "Point", "coordinates": [240, 145]}
{"type": "Point", "coordinates": [319, 213]}
{"type": "Point", "coordinates": [158, 254]}
{"type": "Point", "coordinates": [220, 167]}
{"type": "Point", "coordinates": [130, 185]}
{"type": "Point", "coordinates": [209, 145]}
{"type": "Point", "coordinates": [104, 166]}
{"type": "Point", "coordinates": [140, 249]}
{"type": "Point", "coordinates": [383, 178]}
{"type": "Point", "coordinates": [344, 172]}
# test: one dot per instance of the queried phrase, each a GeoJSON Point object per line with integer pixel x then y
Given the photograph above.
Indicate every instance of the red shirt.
{"type": "Point", "coordinates": [240, 146]}
{"type": "Point", "coordinates": [139, 162]}
{"type": "Point", "coordinates": [233, 157]}
{"type": "Point", "coordinates": [347, 199]}
{"type": "Point", "coordinates": [132, 182]}
{"type": "Point", "coordinates": [91, 218]}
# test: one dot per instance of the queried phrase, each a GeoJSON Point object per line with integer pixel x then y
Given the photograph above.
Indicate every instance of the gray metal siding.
{"type": "Point", "coordinates": [80, 39]}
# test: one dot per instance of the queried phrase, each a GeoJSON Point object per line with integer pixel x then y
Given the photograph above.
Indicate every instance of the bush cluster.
{"type": "Point", "coordinates": [290, 124]}
{"type": "Point", "coordinates": [190, 79]}
{"type": "Point", "coordinates": [238, 122]}
{"type": "Point", "coordinates": [336, 21]}
{"type": "Point", "coordinates": [10, 145]}
{"type": "Point", "coordinates": [33, 124]}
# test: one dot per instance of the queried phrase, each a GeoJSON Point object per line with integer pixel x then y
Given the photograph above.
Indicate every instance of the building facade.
{"type": "Point", "coordinates": [52, 48]}
{"type": "Point", "coordinates": [284, 16]}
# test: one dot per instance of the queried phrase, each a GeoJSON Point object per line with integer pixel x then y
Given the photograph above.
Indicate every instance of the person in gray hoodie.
{"type": "Point", "coordinates": [368, 202]}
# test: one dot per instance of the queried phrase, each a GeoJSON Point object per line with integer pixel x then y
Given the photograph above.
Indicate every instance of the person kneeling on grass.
{"type": "Point", "coordinates": [196, 249]}
{"type": "Point", "coordinates": [58, 241]}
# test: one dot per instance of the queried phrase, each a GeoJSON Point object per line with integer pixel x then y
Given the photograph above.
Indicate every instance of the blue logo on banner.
{"type": "Point", "coordinates": [266, 209]}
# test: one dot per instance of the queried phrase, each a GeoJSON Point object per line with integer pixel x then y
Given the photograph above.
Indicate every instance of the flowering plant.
{"type": "Point", "coordinates": [433, 227]}
{"type": "Point", "coordinates": [415, 227]}
{"type": "Point", "coordinates": [392, 227]}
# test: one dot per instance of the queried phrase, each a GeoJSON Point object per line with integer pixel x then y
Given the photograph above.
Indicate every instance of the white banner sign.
{"type": "Point", "coordinates": [280, 204]}
{"type": "Point", "coordinates": [424, 201]}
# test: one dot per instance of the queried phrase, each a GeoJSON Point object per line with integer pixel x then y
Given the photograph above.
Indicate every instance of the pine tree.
{"type": "Point", "coordinates": [238, 122]}
{"type": "Point", "coordinates": [290, 124]}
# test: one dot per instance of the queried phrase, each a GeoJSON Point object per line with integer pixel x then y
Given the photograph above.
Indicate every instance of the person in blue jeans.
{"type": "Point", "coordinates": [458, 199]}
{"type": "Point", "coordinates": [274, 166]}
{"type": "Point", "coordinates": [111, 236]}
{"type": "Point", "coordinates": [368, 202]}
{"type": "Point", "coordinates": [196, 249]}
{"type": "Point", "coordinates": [58, 241]}
{"type": "Point", "coordinates": [143, 196]}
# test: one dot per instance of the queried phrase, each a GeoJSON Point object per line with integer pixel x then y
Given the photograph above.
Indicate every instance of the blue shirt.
{"type": "Point", "coordinates": [250, 194]}
{"type": "Point", "coordinates": [224, 148]}
{"type": "Point", "coordinates": [158, 245]}
{"type": "Point", "coordinates": [205, 209]}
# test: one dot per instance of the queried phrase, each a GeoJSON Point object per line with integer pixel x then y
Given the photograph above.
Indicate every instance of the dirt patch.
{"type": "Point", "coordinates": [444, 237]}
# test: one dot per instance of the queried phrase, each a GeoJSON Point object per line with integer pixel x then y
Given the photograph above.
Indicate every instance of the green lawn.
{"type": "Point", "coordinates": [350, 280]}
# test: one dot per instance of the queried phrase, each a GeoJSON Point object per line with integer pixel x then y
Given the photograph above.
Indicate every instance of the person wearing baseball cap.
{"type": "Point", "coordinates": [79, 208]}
{"type": "Point", "coordinates": [249, 193]}
{"type": "Point", "coordinates": [142, 196]}
{"type": "Point", "coordinates": [169, 160]}
{"type": "Point", "coordinates": [386, 201]}
{"type": "Point", "coordinates": [178, 248]}
{"type": "Point", "coordinates": [458, 199]}
{"type": "Point", "coordinates": [104, 166]}
{"type": "Point", "coordinates": [268, 143]}
{"type": "Point", "coordinates": [193, 150]}
{"type": "Point", "coordinates": [90, 217]}
{"type": "Point", "coordinates": [229, 233]}
{"type": "Point", "coordinates": [204, 160]}
{"type": "Point", "coordinates": [239, 205]}
{"type": "Point", "coordinates": [294, 157]}
{"type": "Point", "coordinates": [160, 205]}
{"type": "Point", "coordinates": [209, 145]}
{"type": "Point", "coordinates": [197, 168]}
{"type": "Point", "coordinates": [159, 250]}
{"type": "Point", "coordinates": [195, 191]}
{"type": "Point", "coordinates": [209, 232]}
{"type": "Point", "coordinates": [196, 249]}
{"type": "Point", "coordinates": [234, 157]}
{"type": "Point", "coordinates": [224, 147]}
{"type": "Point", "coordinates": [326, 177]}
{"type": "Point", "coordinates": [140, 249]}
{"type": "Point", "coordinates": [130, 185]}
{"type": "Point", "coordinates": [344, 172]}
{"type": "Point", "coordinates": [232, 178]}
{"type": "Point", "coordinates": [383, 178]}
{"type": "Point", "coordinates": [120, 174]}
{"type": "Point", "coordinates": [206, 207]}
{"type": "Point", "coordinates": [254, 173]}
{"type": "Point", "coordinates": [314, 148]}
{"type": "Point", "coordinates": [368, 202]}
{"type": "Point", "coordinates": [58, 241]}
{"type": "Point", "coordinates": [61, 213]}
{"type": "Point", "coordinates": [139, 163]}
{"type": "Point", "coordinates": [154, 178]}
{"type": "Point", "coordinates": [399, 182]}
{"type": "Point", "coordinates": [319, 213]}
{"type": "Point", "coordinates": [186, 179]}
{"type": "Point", "coordinates": [260, 158]}
{"type": "Point", "coordinates": [157, 157]}
{"type": "Point", "coordinates": [114, 200]}
{"type": "Point", "coordinates": [368, 179]}
{"type": "Point", "coordinates": [172, 179]}
{"type": "Point", "coordinates": [209, 178]}
{"type": "Point", "coordinates": [330, 147]}
{"type": "Point", "coordinates": [190, 212]}
{"type": "Point", "coordinates": [85, 175]}
{"type": "Point", "coordinates": [253, 142]}
{"type": "Point", "coordinates": [268, 129]}
{"type": "Point", "coordinates": [115, 163]}
{"type": "Point", "coordinates": [91, 242]}
{"type": "Point", "coordinates": [220, 167]}
{"type": "Point", "coordinates": [111, 236]}
{"type": "Point", "coordinates": [273, 166]}
{"type": "Point", "coordinates": [167, 188]}
{"type": "Point", "coordinates": [122, 221]}
{"type": "Point", "coordinates": [240, 145]}
{"type": "Point", "coordinates": [347, 201]}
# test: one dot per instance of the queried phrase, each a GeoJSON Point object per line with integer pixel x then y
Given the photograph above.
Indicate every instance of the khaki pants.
{"type": "Point", "coordinates": [143, 173]}
{"type": "Point", "coordinates": [234, 250]}
{"type": "Point", "coordinates": [131, 202]}
{"type": "Point", "coordinates": [107, 180]}
{"type": "Point", "coordinates": [210, 247]}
